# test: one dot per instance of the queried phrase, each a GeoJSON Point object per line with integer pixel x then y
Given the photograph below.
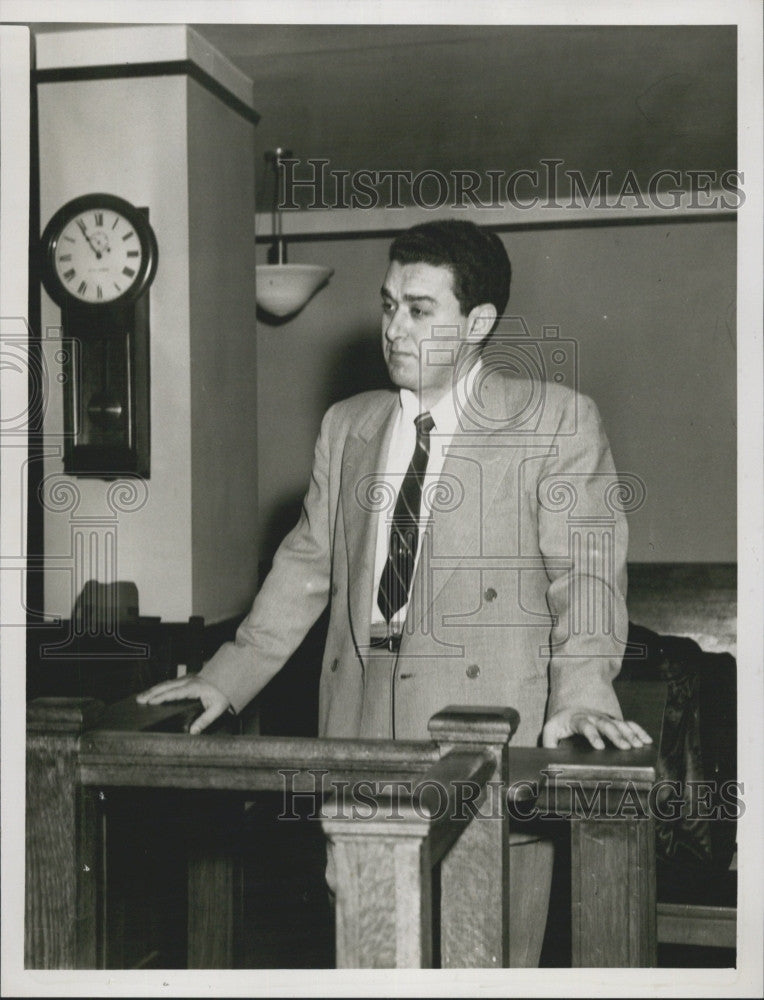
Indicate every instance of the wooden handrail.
{"type": "Point", "coordinates": [121, 747]}
{"type": "Point", "coordinates": [384, 866]}
{"type": "Point", "coordinates": [240, 763]}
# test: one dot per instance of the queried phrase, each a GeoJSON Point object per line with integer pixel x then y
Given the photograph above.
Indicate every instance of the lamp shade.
{"type": "Point", "coordinates": [283, 289]}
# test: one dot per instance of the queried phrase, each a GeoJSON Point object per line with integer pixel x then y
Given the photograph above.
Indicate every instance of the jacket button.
{"type": "Point", "coordinates": [473, 671]}
{"type": "Point", "coordinates": [335, 588]}
{"type": "Point", "coordinates": [490, 594]}
{"type": "Point", "coordinates": [335, 664]}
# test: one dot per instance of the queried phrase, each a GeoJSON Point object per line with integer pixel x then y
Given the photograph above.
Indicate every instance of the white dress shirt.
{"type": "Point", "coordinates": [402, 442]}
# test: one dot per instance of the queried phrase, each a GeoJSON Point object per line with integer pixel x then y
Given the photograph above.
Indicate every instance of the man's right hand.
{"type": "Point", "coordinates": [214, 702]}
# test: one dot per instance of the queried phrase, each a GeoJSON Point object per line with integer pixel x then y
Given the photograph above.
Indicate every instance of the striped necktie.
{"type": "Point", "coordinates": [404, 532]}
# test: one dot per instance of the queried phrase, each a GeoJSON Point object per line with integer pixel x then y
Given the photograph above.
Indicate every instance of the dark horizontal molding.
{"type": "Point", "coordinates": [175, 67]}
{"type": "Point", "coordinates": [510, 227]}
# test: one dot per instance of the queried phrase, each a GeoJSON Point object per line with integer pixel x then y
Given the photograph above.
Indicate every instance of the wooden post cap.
{"type": "Point", "coordinates": [474, 724]}
{"type": "Point", "coordinates": [63, 715]}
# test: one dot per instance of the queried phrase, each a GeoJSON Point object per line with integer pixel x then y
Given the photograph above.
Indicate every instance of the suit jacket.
{"type": "Point", "coordinates": [518, 596]}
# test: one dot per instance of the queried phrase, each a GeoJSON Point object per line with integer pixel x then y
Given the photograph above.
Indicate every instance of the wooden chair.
{"type": "Point", "coordinates": [108, 651]}
{"type": "Point", "coordinates": [696, 900]}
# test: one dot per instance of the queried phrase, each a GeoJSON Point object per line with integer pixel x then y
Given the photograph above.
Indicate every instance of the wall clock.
{"type": "Point", "coordinates": [99, 258]}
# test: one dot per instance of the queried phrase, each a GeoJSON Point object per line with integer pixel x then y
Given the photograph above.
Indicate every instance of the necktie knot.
{"type": "Point", "coordinates": [424, 424]}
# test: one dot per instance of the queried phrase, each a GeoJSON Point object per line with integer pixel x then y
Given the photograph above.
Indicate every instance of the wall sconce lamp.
{"type": "Point", "coordinates": [283, 289]}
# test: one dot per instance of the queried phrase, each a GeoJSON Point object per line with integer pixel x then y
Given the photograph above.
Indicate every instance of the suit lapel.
{"type": "Point", "coordinates": [478, 458]}
{"type": "Point", "coordinates": [363, 465]}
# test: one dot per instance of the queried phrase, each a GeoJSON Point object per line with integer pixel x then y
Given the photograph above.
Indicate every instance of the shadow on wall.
{"type": "Point", "coordinates": [353, 366]}
{"type": "Point", "coordinates": [269, 320]}
{"type": "Point", "coordinates": [356, 366]}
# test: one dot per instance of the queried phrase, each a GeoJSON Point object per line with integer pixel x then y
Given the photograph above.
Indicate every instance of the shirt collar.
{"type": "Point", "coordinates": [445, 412]}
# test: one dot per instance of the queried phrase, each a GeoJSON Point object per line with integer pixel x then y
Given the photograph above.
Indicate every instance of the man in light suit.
{"type": "Point", "coordinates": [462, 531]}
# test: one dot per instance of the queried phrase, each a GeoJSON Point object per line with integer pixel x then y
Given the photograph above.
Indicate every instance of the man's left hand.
{"type": "Point", "coordinates": [593, 725]}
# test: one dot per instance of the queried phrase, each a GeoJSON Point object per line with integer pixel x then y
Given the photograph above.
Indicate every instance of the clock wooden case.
{"type": "Point", "coordinates": [99, 258]}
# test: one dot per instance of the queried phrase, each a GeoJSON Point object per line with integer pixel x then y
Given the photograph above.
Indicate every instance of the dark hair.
{"type": "Point", "coordinates": [476, 258]}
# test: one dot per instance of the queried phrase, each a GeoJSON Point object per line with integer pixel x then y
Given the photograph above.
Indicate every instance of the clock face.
{"type": "Point", "coordinates": [99, 250]}
{"type": "Point", "coordinates": [98, 255]}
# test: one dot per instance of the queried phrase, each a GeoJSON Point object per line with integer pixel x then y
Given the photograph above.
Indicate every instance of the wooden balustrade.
{"type": "Point", "coordinates": [384, 860]}
{"type": "Point", "coordinates": [416, 811]}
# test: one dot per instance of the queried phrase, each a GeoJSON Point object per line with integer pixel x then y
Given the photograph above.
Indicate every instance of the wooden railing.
{"type": "Point", "coordinates": [414, 812]}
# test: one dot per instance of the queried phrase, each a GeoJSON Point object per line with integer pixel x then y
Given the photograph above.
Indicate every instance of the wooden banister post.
{"type": "Point", "coordinates": [613, 893]}
{"type": "Point", "coordinates": [474, 875]}
{"type": "Point", "coordinates": [606, 795]}
{"type": "Point", "coordinates": [383, 875]}
{"type": "Point", "coordinates": [613, 843]}
{"type": "Point", "coordinates": [60, 925]}
{"type": "Point", "coordinates": [383, 846]}
{"type": "Point", "coordinates": [215, 881]}
{"type": "Point", "coordinates": [613, 873]}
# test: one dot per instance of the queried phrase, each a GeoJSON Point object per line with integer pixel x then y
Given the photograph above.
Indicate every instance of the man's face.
{"type": "Point", "coordinates": [419, 305]}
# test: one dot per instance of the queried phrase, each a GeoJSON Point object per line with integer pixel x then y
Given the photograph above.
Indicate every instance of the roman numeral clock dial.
{"type": "Point", "coordinates": [99, 258]}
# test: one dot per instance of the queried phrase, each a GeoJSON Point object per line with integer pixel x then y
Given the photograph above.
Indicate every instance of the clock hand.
{"type": "Point", "coordinates": [81, 224]}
